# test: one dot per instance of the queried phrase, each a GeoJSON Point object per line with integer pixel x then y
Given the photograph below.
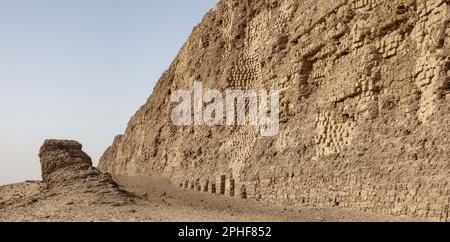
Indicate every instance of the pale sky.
{"type": "Point", "coordinates": [79, 69]}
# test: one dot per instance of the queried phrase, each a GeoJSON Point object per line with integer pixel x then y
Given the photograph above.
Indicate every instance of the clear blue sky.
{"type": "Point", "coordinates": [79, 69]}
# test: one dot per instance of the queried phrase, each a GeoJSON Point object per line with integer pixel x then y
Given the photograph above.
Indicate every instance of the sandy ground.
{"type": "Point", "coordinates": [154, 199]}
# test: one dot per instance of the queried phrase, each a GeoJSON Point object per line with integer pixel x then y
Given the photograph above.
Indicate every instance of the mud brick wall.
{"type": "Point", "coordinates": [365, 94]}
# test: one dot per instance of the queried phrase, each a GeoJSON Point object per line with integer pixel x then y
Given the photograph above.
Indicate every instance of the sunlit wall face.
{"type": "Point", "coordinates": [79, 69]}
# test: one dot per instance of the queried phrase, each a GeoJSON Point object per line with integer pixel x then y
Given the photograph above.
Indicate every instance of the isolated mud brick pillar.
{"type": "Point", "coordinates": [62, 161]}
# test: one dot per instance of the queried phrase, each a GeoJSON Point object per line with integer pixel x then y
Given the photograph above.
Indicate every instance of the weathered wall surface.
{"type": "Point", "coordinates": [365, 106]}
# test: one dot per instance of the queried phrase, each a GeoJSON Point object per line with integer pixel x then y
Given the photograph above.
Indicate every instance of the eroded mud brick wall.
{"type": "Point", "coordinates": [364, 107]}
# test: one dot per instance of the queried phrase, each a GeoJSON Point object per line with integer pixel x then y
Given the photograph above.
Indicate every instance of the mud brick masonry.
{"type": "Point", "coordinates": [365, 117]}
